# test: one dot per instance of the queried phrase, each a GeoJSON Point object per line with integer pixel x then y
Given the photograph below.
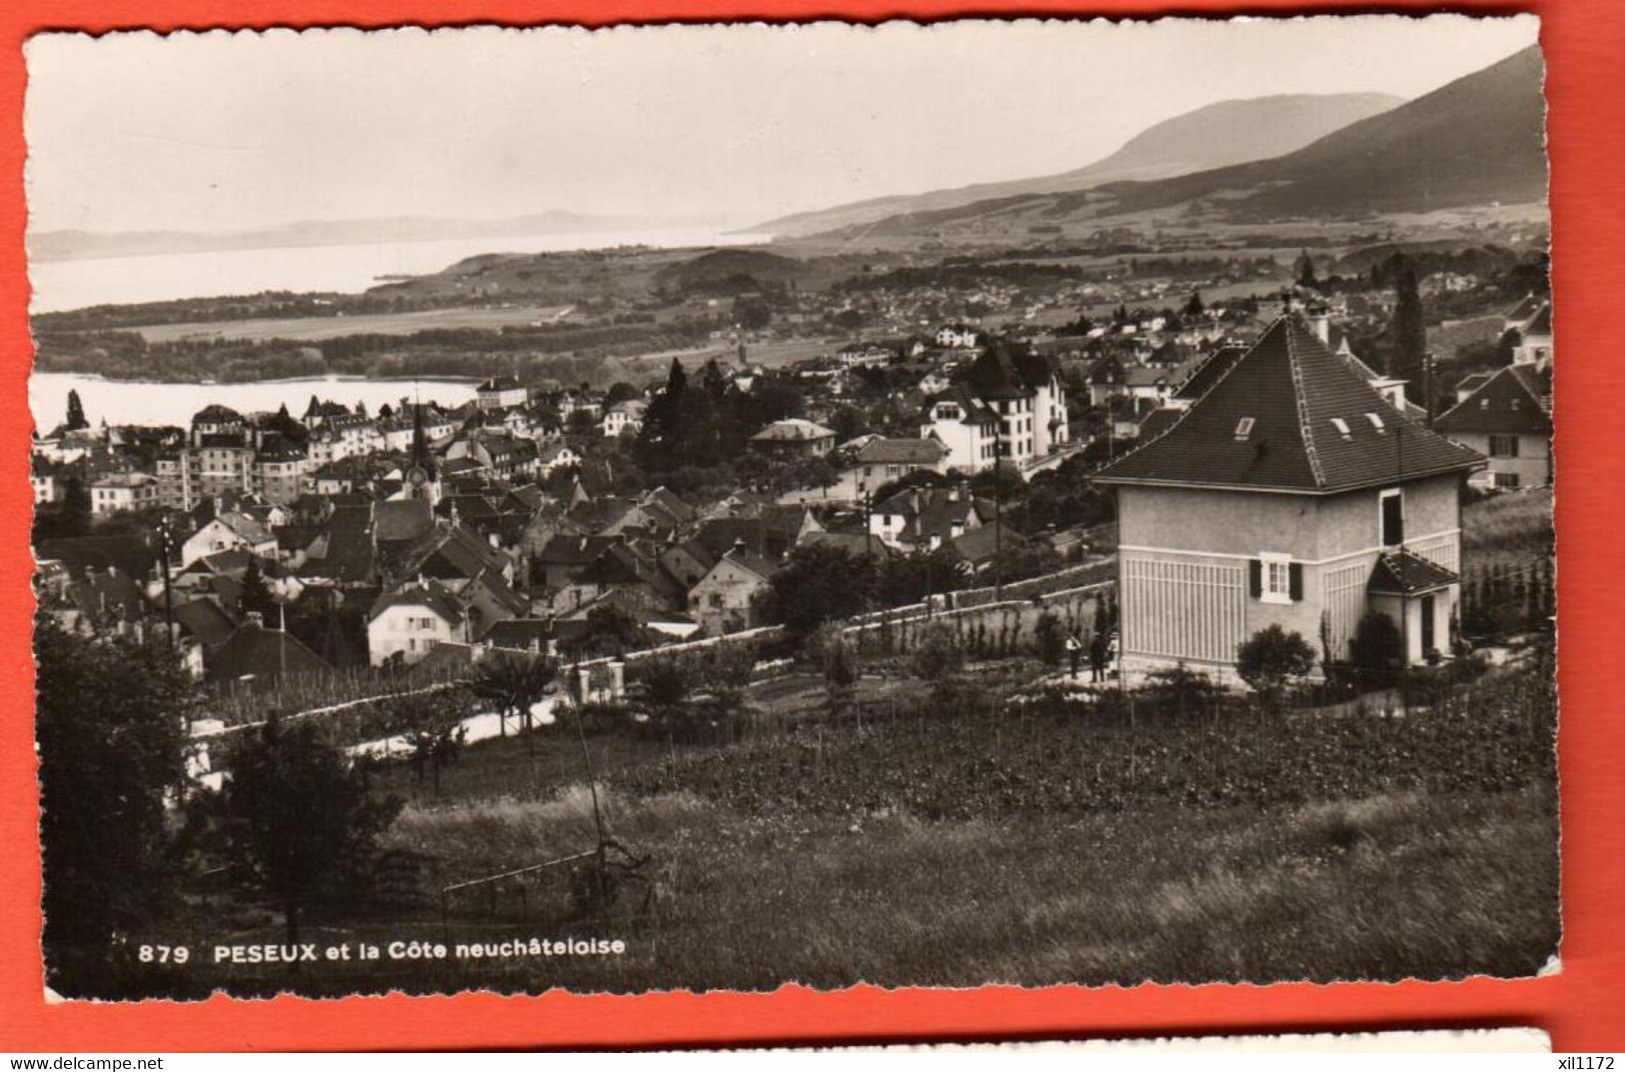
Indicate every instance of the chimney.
{"type": "Point", "coordinates": [1321, 324]}
{"type": "Point", "coordinates": [953, 493]}
{"type": "Point", "coordinates": [956, 529]}
{"type": "Point", "coordinates": [256, 619]}
{"type": "Point", "coordinates": [936, 539]}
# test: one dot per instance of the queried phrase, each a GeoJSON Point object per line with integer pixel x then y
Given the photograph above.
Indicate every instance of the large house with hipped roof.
{"type": "Point", "coordinates": [1294, 493]}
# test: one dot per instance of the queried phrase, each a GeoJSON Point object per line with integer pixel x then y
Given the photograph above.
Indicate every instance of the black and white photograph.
{"type": "Point", "coordinates": [712, 507]}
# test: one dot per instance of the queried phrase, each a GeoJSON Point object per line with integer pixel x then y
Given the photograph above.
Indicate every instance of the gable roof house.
{"type": "Point", "coordinates": [227, 532]}
{"type": "Point", "coordinates": [724, 600]}
{"type": "Point", "coordinates": [1507, 418]}
{"type": "Point", "coordinates": [1534, 345]}
{"type": "Point", "coordinates": [410, 621]}
{"type": "Point", "coordinates": [1290, 493]}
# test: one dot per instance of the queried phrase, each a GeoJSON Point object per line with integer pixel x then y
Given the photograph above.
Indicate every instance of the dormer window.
{"type": "Point", "coordinates": [1342, 427]}
{"type": "Point", "coordinates": [1244, 428]}
{"type": "Point", "coordinates": [1376, 421]}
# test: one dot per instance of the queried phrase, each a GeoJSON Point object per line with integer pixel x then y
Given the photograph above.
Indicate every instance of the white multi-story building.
{"type": "Point", "coordinates": [1006, 404]}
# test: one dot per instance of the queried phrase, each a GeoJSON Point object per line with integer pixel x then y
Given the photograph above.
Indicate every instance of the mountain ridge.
{"type": "Point", "coordinates": [1217, 134]}
{"type": "Point", "coordinates": [1475, 141]}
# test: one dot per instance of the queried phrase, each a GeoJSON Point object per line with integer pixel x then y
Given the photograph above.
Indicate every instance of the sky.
{"type": "Point", "coordinates": [235, 131]}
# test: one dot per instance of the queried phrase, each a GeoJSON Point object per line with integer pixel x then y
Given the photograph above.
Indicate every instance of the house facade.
{"type": "Point", "coordinates": [119, 492]}
{"type": "Point", "coordinates": [723, 601]}
{"type": "Point", "coordinates": [1008, 404]}
{"type": "Point", "coordinates": [1505, 418]}
{"type": "Point", "coordinates": [501, 392]}
{"type": "Point", "coordinates": [409, 623]}
{"type": "Point", "coordinates": [1291, 494]}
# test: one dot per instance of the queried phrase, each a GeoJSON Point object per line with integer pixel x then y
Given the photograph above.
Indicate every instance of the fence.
{"type": "Point", "coordinates": [249, 703]}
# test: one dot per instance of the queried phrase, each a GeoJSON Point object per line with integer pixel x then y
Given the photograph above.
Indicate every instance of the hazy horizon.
{"type": "Point", "coordinates": [229, 132]}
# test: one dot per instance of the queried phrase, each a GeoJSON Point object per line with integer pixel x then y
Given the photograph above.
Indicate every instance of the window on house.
{"type": "Point", "coordinates": [1342, 427]}
{"type": "Point", "coordinates": [1244, 428]}
{"type": "Point", "coordinates": [1503, 446]}
{"type": "Point", "coordinates": [1376, 421]}
{"type": "Point", "coordinates": [1393, 517]}
{"type": "Point", "coordinates": [1275, 578]}
{"type": "Point", "coordinates": [1506, 480]}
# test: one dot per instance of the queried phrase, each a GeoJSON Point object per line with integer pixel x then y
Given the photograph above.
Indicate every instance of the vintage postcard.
{"type": "Point", "coordinates": [710, 507]}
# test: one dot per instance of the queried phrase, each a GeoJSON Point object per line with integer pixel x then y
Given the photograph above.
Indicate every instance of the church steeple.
{"type": "Point", "coordinates": [421, 458]}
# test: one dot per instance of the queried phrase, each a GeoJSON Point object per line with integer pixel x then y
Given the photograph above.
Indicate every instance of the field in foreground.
{"type": "Point", "coordinates": [1002, 855]}
{"type": "Point", "coordinates": [1387, 887]}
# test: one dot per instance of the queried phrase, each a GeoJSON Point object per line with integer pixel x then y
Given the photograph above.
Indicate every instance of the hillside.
{"type": "Point", "coordinates": [1228, 132]}
{"type": "Point", "coordinates": [1476, 141]}
{"type": "Point", "coordinates": [730, 271]}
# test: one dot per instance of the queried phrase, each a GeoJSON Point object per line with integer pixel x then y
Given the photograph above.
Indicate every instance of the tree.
{"type": "Point", "coordinates": [838, 664]}
{"type": "Point", "coordinates": [611, 630]}
{"type": "Point", "coordinates": [581, 424]}
{"type": "Point", "coordinates": [1304, 271]}
{"type": "Point", "coordinates": [1274, 659]}
{"type": "Point", "coordinates": [256, 597]}
{"type": "Point", "coordinates": [1376, 644]}
{"type": "Point", "coordinates": [110, 730]}
{"type": "Point", "coordinates": [937, 655]}
{"type": "Point", "coordinates": [620, 391]}
{"type": "Point", "coordinates": [301, 817]}
{"type": "Point", "coordinates": [1194, 307]}
{"type": "Point", "coordinates": [818, 583]}
{"type": "Point", "coordinates": [76, 413]}
{"type": "Point", "coordinates": [516, 682]}
{"type": "Point", "coordinates": [432, 723]}
{"type": "Point", "coordinates": [666, 684]}
{"type": "Point", "coordinates": [76, 512]}
{"type": "Point", "coordinates": [1050, 637]}
{"type": "Point", "coordinates": [1408, 333]}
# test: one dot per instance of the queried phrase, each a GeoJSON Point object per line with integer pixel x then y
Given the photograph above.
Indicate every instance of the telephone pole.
{"type": "Point", "coordinates": [998, 510]}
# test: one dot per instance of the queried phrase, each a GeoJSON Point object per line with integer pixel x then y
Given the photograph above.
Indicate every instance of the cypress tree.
{"type": "Point", "coordinates": [76, 413]}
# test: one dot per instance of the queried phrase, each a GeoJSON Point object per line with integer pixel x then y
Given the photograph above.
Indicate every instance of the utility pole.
{"type": "Point", "coordinates": [1427, 387]}
{"type": "Point", "coordinates": [163, 563]}
{"type": "Point", "coordinates": [998, 510]}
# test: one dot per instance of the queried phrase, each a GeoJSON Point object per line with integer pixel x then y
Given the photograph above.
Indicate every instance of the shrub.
{"type": "Point", "coordinates": [1049, 636]}
{"type": "Point", "coordinates": [1274, 659]}
{"type": "Point", "coordinates": [938, 654]}
{"type": "Point", "coordinates": [1377, 644]}
{"type": "Point", "coordinates": [1181, 691]}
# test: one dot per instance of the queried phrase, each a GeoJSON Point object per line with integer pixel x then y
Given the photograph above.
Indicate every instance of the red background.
{"type": "Point", "coordinates": [1584, 42]}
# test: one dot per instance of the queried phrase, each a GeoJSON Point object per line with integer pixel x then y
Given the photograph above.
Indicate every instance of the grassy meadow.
{"type": "Point", "coordinates": [942, 836]}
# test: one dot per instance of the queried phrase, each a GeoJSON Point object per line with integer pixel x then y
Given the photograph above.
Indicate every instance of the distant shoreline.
{"type": "Point", "coordinates": [283, 379]}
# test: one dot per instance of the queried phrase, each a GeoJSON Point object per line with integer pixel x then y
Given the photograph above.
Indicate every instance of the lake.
{"type": "Point", "coordinates": [75, 284]}
{"type": "Point", "coordinates": [140, 402]}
